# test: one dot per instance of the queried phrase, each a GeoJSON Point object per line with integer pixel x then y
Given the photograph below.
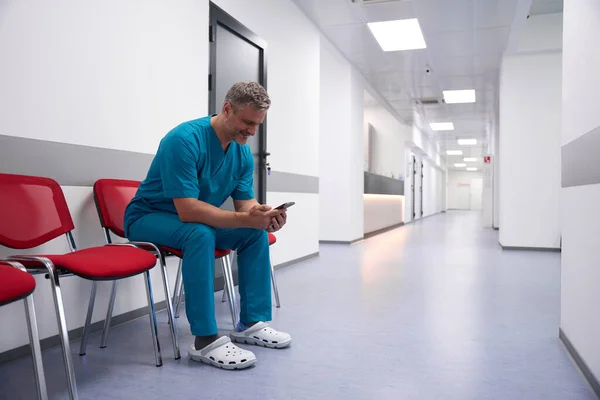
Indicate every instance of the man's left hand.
{"type": "Point", "coordinates": [278, 222]}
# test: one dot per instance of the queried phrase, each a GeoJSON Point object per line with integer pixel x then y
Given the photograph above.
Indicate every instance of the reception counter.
{"type": "Point", "coordinates": [383, 203]}
{"type": "Point", "coordinates": [382, 211]}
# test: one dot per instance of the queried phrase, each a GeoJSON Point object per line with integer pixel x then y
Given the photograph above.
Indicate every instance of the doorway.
{"type": "Point", "coordinates": [238, 54]}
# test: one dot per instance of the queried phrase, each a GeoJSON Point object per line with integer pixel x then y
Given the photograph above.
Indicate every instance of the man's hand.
{"type": "Point", "coordinates": [262, 216]}
{"type": "Point", "coordinates": [278, 222]}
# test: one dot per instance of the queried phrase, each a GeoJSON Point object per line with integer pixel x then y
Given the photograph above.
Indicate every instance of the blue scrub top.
{"type": "Point", "coordinates": [190, 162]}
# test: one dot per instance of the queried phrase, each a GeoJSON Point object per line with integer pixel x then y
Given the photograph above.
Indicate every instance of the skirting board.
{"type": "Point", "coordinates": [383, 230]}
{"type": "Point", "coordinates": [340, 241]}
{"type": "Point", "coordinates": [548, 249]}
{"type": "Point", "coordinates": [587, 373]}
{"type": "Point", "coordinates": [74, 334]}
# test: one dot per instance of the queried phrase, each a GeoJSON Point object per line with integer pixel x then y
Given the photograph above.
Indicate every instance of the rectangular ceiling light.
{"type": "Point", "coordinates": [402, 34]}
{"type": "Point", "coordinates": [442, 126]}
{"type": "Point", "coordinates": [459, 96]}
{"type": "Point", "coordinates": [470, 159]}
{"type": "Point", "coordinates": [471, 169]}
{"type": "Point", "coordinates": [467, 142]}
{"type": "Point", "coordinates": [460, 165]}
{"type": "Point", "coordinates": [454, 152]}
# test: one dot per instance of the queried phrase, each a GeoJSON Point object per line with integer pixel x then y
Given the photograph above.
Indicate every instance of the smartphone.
{"type": "Point", "coordinates": [285, 206]}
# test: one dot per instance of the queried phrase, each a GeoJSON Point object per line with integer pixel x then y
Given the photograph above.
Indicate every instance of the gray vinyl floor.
{"type": "Point", "coordinates": [432, 310]}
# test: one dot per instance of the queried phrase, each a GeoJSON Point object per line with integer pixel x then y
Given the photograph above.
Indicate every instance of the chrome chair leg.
{"type": "Point", "coordinates": [88, 320]}
{"type": "Point", "coordinates": [64, 335]}
{"type": "Point", "coordinates": [228, 281]}
{"type": "Point", "coordinates": [180, 296]}
{"type": "Point", "coordinates": [109, 313]}
{"type": "Point", "coordinates": [36, 351]}
{"type": "Point", "coordinates": [163, 268]}
{"type": "Point", "coordinates": [224, 298]}
{"type": "Point", "coordinates": [177, 279]}
{"type": "Point", "coordinates": [275, 290]}
{"type": "Point", "coordinates": [153, 322]}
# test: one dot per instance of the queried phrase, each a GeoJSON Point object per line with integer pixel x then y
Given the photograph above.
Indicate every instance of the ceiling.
{"type": "Point", "coordinates": [465, 42]}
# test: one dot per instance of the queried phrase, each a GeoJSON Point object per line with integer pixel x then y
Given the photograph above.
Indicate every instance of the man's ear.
{"type": "Point", "coordinates": [227, 109]}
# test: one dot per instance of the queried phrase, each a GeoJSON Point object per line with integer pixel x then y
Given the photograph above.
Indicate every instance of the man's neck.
{"type": "Point", "coordinates": [217, 124]}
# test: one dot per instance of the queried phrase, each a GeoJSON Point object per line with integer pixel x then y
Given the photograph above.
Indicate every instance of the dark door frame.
{"type": "Point", "coordinates": [414, 182]}
{"type": "Point", "coordinates": [218, 17]}
{"type": "Point", "coordinates": [421, 187]}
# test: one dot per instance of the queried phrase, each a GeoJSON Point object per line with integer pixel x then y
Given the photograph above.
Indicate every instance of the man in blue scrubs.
{"type": "Point", "coordinates": [198, 165]}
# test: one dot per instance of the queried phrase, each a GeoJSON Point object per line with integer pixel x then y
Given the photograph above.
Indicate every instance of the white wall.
{"type": "Point", "coordinates": [457, 180]}
{"type": "Point", "coordinates": [341, 179]}
{"type": "Point", "coordinates": [530, 126]}
{"type": "Point", "coordinates": [580, 281]}
{"type": "Point", "coordinates": [388, 140]}
{"type": "Point", "coordinates": [117, 75]}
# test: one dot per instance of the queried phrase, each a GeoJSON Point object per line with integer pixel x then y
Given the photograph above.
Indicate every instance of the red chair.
{"type": "Point", "coordinates": [112, 197]}
{"type": "Point", "coordinates": [33, 211]}
{"type": "Point", "coordinates": [17, 284]}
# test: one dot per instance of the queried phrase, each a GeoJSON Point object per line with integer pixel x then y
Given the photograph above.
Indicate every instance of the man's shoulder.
{"type": "Point", "coordinates": [192, 131]}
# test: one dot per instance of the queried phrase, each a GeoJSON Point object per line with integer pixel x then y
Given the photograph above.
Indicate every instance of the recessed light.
{"type": "Point", "coordinates": [459, 96]}
{"type": "Point", "coordinates": [467, 142]}
{"type": "Point", "coordinates": [470, 159]}
{"type": "Point", "coordinates": [402, 34]}
{"type": "Point", "coordinates": [442, 126]}
{"type": "Point", "coordinates": [454, 152]}
{"type": "Point", "coordinates": [460, 165]}
{"type": "Point", "coordinates": [471, 169]}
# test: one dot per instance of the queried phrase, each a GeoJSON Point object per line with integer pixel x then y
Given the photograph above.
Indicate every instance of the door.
{"type": "Point", "coordinates": [476, 193]}
{"type": "Point", "coordinates": [237, 54]}
{"type": "Point", "coordinates": [421, 188]}
{"type": "Point", "coordinates": [463, 196]}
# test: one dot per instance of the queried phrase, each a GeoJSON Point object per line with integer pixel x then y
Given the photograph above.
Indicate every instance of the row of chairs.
{"type": "Point", "coordinates": [33, 211]}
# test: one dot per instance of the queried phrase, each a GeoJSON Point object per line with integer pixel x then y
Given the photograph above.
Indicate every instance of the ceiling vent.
{"type": "Point", "coordinates": [431, 101]}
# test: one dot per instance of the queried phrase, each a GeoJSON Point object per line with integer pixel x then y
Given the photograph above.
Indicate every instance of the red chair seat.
{"type": "Point", "coordinates": [272, 239]}
{"type": "Point", "coordinates": [105, 262]}
{"type": "Point", "coordinates": [14, 284]}
{"type": "Point", "coordinates": [179, 253]}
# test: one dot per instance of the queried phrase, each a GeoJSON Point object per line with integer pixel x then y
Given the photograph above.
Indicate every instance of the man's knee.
{"type": "Point", "coordinates": [200, 234]}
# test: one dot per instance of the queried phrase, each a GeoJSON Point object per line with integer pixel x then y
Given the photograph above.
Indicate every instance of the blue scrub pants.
{"type": "Point", "coordinates": [198, 243]}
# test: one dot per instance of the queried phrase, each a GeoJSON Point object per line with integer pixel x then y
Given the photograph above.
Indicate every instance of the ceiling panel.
{"type": "Point", "coordinates": [445, 15]}
{"type": "Point", "coordinates": [491, 40]}
{"type": "Point", "coordinates": [408, 60]}
{"type": "Point", "coordinates": [494, 13]}
{"type": "Point", "coordinates": [451, 44]}
{"type": "Point", "coordinates": [387, 11]}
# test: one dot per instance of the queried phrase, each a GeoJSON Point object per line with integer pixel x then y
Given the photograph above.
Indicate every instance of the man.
{"type": "Point", "coordinates": [198, 165]}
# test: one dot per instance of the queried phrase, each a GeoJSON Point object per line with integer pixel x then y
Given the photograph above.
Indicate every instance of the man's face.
{"type": "Point", "coordinates": [242, 122]}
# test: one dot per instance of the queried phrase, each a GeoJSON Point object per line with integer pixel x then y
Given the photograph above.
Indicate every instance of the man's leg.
{"type": "Point", "coordinates": [254, 271]}
{"type": "Point", "coordinates": [197, 242]}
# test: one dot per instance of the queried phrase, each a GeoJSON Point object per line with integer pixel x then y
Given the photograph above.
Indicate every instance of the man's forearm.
{"type": "Point", "coordinates": [245, 205]}
{"type": "Point", "coordinates": [192, 210]}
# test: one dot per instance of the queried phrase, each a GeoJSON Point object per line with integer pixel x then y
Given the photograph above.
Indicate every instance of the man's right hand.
{"type": "Point", "coordinates": [259, 216]}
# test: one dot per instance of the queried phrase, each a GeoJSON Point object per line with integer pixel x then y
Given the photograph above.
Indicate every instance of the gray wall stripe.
{"type": "Point", "coordinates": [378, 184]}
{"type": "Point", "coordinates": [292, 183]}
{"type": "Point", "coordinates": [78, 165]}
{"type": "Point", "coordinates": [581, 160]}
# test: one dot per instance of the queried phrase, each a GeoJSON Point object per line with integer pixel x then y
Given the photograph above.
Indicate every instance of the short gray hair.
{"type": "Point", "coordinates": [248, 93]}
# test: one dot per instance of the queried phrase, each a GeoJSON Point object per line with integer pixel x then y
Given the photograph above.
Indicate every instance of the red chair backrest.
{"type": "Point", "coordinates": [112, 197]}
{"type": "Point", "coordinates": [33, 211]}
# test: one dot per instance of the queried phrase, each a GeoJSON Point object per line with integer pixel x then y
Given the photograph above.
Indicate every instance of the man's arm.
{"type": "Point", "coordinates": [244, 205]}
{"type": "Point", "coordinates": [194, 210]}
